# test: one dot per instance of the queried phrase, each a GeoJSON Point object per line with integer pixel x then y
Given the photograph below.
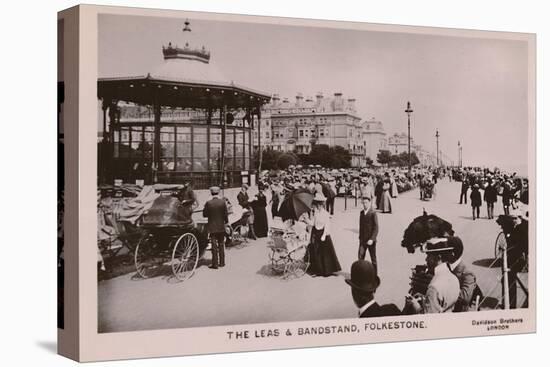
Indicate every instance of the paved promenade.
{"type": "Point", "coordinates": [245, 291]}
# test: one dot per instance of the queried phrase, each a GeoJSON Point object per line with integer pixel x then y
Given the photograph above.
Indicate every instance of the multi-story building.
{"type": "Point", "coordinates": [397, 143]}
{"type": "Point", "coordinates": [264, 129]}
{"type": "Point", "coordinates": [374, 138]}
{"type": "Point", "coordinates": [298, 125]}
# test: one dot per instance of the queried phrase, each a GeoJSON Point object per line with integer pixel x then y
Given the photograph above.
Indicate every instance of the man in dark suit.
{"type": "Point", "coordinates": [216, 211]}
{"type": "Point", "coordinates": [490, 197]}
{"type": "Point", "coordinates": [368, 230]}
{"type": "Point", "coordinates": [363, 283]}
{"type": "Point", "coordinates": [464, 190]}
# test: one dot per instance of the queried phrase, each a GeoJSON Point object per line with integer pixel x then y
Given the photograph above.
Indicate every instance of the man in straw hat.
{"type": "Point", "coordinates": [444, 287]}
{"type": "Point", "coordinates": [364, 282]}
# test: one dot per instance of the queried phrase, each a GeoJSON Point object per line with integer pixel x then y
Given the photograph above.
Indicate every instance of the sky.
{"type": "Point", "coordinates": [471, 90]}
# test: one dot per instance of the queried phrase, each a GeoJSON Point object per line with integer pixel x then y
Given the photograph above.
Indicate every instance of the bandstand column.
{"type": "Point", "coordinates": [156, 140]}
{"type": "Point", "coordinates": [223, 112]}
{"type": "Point", "coordinates": [251, 157]}
{"type": "Point", "coordinates": [106, 153]}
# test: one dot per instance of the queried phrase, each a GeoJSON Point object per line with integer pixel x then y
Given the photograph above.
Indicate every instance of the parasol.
{"type": "Point", "coordinates": [295, 204]}
{"type": "Point", "coordinates": [423, 228]}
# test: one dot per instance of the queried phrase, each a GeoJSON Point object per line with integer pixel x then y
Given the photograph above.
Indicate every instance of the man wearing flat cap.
{"type": "Point", "coordinates": [215, 210]}
{"type": "Point", "coordinates": [364, 282]}
{"type": "Point", "coordinates": [444, 287]}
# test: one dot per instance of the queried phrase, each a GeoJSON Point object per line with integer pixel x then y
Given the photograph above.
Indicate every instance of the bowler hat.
{"type": "Point", "coordinates": [214, 190]}
{"type": "Point", "coordinates": [363, 276]}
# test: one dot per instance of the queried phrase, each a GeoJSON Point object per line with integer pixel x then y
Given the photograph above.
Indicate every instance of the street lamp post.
{"type": "Point", "coordinates": [437, 146]}
{"type": "Point", "coordinates": [459, 153]}
{"type": "Point", "coordinates": [409, 111]}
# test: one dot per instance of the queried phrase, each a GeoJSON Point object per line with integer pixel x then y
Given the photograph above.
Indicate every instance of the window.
{"type": "Point", "coordinates": [167, 148]}
{"type": "Point", "coordinates": [229, 148]}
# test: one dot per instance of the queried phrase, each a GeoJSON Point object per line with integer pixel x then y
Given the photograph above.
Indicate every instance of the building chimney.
{"type": "Point", "coordinates": [351, 104]}
{"type": "Point", "coordinates": [285, 100]}
{"type": "Point", "coordinates": [299, 99]}
{"type": "Point", "coordinates": [338, 102]}
{"type": "Point", "coordinates": [319, 97]}
{"type": "Point", "coordinates": [276, 99]}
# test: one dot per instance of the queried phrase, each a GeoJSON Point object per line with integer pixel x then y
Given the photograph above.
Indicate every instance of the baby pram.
{"type": "Point", "coordinates": [427, 190]}
{"type": "Point", "coordinates": [289, 255]}
{"type": "Point", "coordinates": [289, 237]}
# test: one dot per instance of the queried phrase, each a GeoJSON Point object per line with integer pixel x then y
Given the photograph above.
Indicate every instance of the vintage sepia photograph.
{"type": "Point", "coordinates": [253, 172]}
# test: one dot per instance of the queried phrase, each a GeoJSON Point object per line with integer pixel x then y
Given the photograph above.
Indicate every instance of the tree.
{"type": "Point", "coordinates": [402, 159]}
{"type": "Point", "coordinates": [368, 162]}
{"type": "Point", "coordinates": [384, 157]}
{"type": "Point", "coordinates": [286, 159]}
{"type": "Point", "coordinates": [319, 154]}
{"type": "Point", "coordinates": [414, 159]}
{"type": "Point", "coordinates": [270, 159]}
{"type": "Point", "coordinates": [339, 157]}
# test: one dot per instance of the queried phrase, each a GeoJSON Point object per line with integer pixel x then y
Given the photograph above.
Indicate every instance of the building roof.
{"type": "Point", "coordinates": [335, 105]}
{"type": "Point", "coordinates": [187, 77]}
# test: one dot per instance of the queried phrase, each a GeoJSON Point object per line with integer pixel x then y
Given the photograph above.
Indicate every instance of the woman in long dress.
{"type": "Point", "coordinates": [378, 191]}
{"type": "Point", "coordinates": [393, 184]}
{"type": "Point", "coordinates": [322, 256]}
{"type": "Point", "coordinates": [260, 215]}
{"type": "Point", "coordinates": [385, 200]}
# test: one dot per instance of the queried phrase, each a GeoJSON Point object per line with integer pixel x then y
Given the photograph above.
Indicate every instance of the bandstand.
{"type": "Point", "coordinates": [182, 121]}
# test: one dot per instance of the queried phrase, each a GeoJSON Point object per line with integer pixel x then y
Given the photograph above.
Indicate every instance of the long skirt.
{"type": "Point", "coordinates": [322, 256]}
{"type": "Point", "coordinates": [394, 191]}
{"type": "Point", "coordinates": [385, 202]}
{"type": "Point", "coordinates": [260, 222]}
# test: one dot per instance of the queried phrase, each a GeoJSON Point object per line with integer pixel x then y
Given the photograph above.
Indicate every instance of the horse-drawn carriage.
{"type": "Point", "coordinates": [171, 240]}
{"type": "Point", "coordinates": [156, 226]}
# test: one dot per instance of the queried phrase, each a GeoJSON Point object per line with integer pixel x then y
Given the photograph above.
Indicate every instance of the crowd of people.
{"type": "Point", "coordinates": [444, 284]}
{"type": "Point", "coordinates": [513, 190]}
{"type": "Point", "coordinates": [448, 284]}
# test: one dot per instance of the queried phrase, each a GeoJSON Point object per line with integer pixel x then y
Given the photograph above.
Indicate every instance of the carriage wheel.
{"type": "Point", "coordinates": [148, 257]}
{"type": "Point", "coordinates": [500, 245]}
{"type": "Point", "coordinates": [239, 235]}
{"type": "Point", "coordinates": [185, 256]}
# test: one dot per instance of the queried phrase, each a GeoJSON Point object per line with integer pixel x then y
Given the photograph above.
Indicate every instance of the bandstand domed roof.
{"type": "Point", "coordinates": [187, 71]}
{"type": "Point", "coordinates": [189, 63]}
